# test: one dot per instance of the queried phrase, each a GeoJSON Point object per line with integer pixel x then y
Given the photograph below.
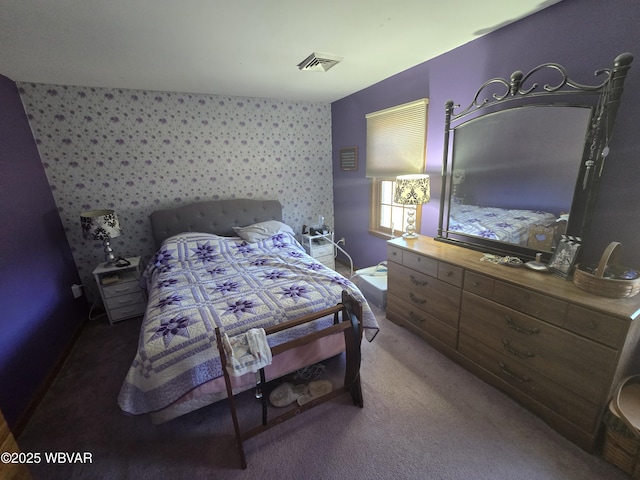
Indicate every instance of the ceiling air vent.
{"type": "Point", "coordinates": [319, 62]}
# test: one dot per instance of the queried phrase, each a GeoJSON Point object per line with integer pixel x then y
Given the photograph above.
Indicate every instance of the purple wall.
{"type": "Point", "coordinates": [39, 314]}
{"type": "Point", "coordinates": [581, 35]}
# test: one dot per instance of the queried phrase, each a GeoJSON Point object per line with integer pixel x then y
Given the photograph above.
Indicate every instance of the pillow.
{"type": "Point", "coordinates": [262, 230]}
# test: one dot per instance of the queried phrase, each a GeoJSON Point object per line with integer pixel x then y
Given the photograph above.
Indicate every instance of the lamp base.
{"type": "Point", "coordinates": [410, 236]}
{"type": "Point", "coordinates": [109, 258]}
{"type": "Point", "coordinates": [410, 229]}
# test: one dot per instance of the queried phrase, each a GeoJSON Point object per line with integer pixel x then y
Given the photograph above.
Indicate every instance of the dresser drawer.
{"type": "Point", "coordinates": [534, 304]}
{"type": "Point", "coordinates": [120, 288]}
{"type": "Point", "coordinates": [422, 264]}
{"type": "Point", "coordinates": [579, 411]}
{"type": "Point", "coordinates": [394, 254]}
{"type": "Point", "coordinates": [415, 317]}
{"type": "Point", "coordinates": [450, 274]}
{"type": "Point", "coordinates": [579, 364]}
{"type": "Point", "coordinates": [598, 326]}
{"type": "Point", "coordinates": [424, 292]}
{"type": "Point", "coordinates": [478, 284]}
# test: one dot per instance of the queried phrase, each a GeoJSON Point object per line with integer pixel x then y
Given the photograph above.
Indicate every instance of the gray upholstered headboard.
{"type": "Point", "coordinates": [215, 216]}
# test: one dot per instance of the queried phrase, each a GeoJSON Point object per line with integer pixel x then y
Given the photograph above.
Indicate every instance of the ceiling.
{"type": "Point", "coordinates": [248, 48]}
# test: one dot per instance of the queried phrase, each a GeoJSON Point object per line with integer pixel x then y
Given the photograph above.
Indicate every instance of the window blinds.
{"type": "Point", "coordinates": [396, 140]}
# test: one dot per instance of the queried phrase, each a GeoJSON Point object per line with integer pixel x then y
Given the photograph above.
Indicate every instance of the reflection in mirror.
{"type": "Point", "coordinates": [501, 190]}
{"type": "Point", "coordinates": [520, 169]}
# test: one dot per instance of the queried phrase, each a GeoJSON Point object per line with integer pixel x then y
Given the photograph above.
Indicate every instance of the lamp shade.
{"type": "Point", "coordinates": [100, 224]}
{"type": "Point", "coordinates": [412, 189]}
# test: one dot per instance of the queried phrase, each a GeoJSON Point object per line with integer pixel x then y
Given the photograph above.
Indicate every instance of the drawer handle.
{"type": "Point", "coordinates": [417, 300]}
{"type": "Point", "coordinates": [514, 352]}
{"type": "Point", "coordinates": [120, 290]}
{"type": "Point", "coordinates": [519, 329]}
{"type": "Point", "coordinates": [448, 273]}
{"type": "Point", "coordinates": [415, 318]}
{"type": "Point", "coordinates": [393, 254]}
{"type": "Point", "coordinates": [420, 283]}
{"type": "Point", "coordinates": [511, 375]}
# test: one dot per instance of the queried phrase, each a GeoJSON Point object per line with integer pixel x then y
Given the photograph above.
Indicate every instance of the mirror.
{"type": "Point", "coordinates": [521, 163]}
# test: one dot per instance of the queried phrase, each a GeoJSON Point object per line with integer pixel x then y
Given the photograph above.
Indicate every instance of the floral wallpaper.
{"type": "Point", "coordinates": [138, 151]}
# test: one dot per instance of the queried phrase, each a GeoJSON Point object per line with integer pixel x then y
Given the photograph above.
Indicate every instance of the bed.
{"type": "Point", "coordinates": [231, 264]}
{"type": "Point", "coordinates": [506, 225]}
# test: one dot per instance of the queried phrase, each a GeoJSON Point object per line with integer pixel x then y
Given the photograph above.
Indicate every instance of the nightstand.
{"type": "Point", "coordinates": [120, 290]}
{"type": "Point", "coordinates": [320, 247]}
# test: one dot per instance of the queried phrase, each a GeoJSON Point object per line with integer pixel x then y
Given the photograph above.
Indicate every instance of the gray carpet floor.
{"type": "Point", "coordinates": [424, 417]}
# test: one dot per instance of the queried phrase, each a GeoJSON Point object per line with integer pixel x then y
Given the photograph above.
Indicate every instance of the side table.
{"type": "Point", "coordinates": [320, 247]}
{"type": "Point", "coordinates": [120, 290]}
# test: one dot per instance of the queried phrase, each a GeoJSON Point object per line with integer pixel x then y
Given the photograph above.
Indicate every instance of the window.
{"type": "Point", "coordinates": [396, 145]}
{"type": "Point", "coordinates": [387, 217]}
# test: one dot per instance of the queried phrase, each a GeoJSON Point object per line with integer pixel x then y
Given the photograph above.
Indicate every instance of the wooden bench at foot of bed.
{"type": "Point", "coordinates": [348, 320]}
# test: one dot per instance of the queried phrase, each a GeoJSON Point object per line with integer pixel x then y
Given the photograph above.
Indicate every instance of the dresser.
{"type": "Point", "coordinates": [554, 348]}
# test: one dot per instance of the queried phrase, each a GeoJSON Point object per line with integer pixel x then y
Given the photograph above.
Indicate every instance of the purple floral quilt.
{"type": "Point", "coordinates": [197, 282]}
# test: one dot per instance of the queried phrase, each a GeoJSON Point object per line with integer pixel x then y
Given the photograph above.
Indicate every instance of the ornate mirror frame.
{"type": "Point", "coordinates": [523, 90]}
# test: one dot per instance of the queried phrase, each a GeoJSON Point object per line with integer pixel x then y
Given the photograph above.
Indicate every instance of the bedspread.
{"type": "Point", "coordinates": [197, 282]}
{"type": "Point", "coordinates": [507, 225]}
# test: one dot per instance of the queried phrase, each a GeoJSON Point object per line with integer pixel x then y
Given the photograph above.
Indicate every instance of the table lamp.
{"type": "Point", "coordinates": [412, 190]}
{"type": "Point", "coordinates": [101, 225]}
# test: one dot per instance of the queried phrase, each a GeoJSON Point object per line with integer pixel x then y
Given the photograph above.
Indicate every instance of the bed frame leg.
{"type": "Point", "coordinates": [352, 337]}
{"type": "Point", "coordinates": [263, 397]}
{"type": "Point", "coordinates": [236, 428]}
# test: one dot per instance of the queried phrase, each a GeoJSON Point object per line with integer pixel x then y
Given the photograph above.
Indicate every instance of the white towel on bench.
{"type": "Point", "coordinates": [247, 352]}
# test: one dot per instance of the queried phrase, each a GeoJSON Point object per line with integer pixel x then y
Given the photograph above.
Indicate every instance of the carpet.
{"type": "Point", "coordinates": [424, 417]}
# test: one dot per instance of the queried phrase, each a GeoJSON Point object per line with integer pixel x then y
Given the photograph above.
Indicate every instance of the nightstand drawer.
{"type": "Point", "coordinates": [127, 311]}
{"type": "Point", "coordinates": [328, 261]}
{"type": "Point", "coordinates": [126, 300]}
{"type": "Point", "coordinates": [322, 249]}
{"type": "Point", "coordinates": [121, 288]}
